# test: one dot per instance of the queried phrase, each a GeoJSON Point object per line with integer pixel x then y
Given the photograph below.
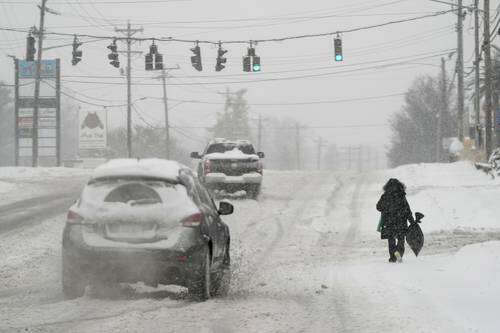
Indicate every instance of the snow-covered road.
{"type": "Point", "coordinates": [305, 258]}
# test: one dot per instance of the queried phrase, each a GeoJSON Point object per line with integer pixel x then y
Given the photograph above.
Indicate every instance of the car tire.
{"type": "Point", "coordinates": [200, 287]}
{"type": "Point", "coordinates": [253, 191]}
{"type": "Point", "coordinates": [73, 281]}
{"type": "Point", "coordinates": [222, 281]}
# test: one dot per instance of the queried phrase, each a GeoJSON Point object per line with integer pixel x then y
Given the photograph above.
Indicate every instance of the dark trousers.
{"type": "Point", "coordinates": [396, 244]}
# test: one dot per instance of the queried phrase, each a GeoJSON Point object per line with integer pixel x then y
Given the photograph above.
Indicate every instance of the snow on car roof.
{"type": "Point", "coordinates": [151, 167]}
{"type": "Point", "coordinates": [236, 142]}
{"type": "Point", "coordinates": [232, 154]}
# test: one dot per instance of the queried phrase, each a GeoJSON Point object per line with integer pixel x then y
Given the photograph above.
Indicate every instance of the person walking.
{"type": "Point", "coordinates": [396, 213]}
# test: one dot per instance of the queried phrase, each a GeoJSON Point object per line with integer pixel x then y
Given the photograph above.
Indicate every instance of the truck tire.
{"type": "Point", "coordinates": [253, 191]}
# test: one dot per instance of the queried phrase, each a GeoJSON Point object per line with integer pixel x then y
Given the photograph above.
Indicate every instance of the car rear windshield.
{"type": "Point", "coordinates": [136, 198]}
{"type": "Point", "coordinates": [223, 147]}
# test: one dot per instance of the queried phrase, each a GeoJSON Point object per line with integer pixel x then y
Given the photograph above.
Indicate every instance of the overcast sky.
{"type": "Point", "coordinates": [420, 43]}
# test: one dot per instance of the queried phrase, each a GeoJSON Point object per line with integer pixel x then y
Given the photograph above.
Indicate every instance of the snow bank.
{"type": "Point", "coordinates": [19, 183]}
{"type": "Point", "coordinates": [25, 173]}
{"type": "Point", "coordinates": [452, 196]}
{"type": "Point", "coordinates": [464, 286]}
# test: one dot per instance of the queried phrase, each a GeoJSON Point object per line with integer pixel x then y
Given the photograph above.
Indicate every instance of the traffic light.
{"type": "Point", "coordinates": [158, 61]}
{"type": "Point", "coordinates": [77, 54]}
{"type": "Point", "coordinates": [30, 48]}
{"type": "Point", "coordinates": [256, 64]}
{"type": "Point", "coordinates": [247, 64]}
{"type": "Point", "coordinates": [251, 52]}
{"type": "Point", "coordinates": [251, 62]}
{"type": "Point", "coordinates": [221, 60]}
{"type": "Point", "coordinates": [149, 62]}
{"type": "Point", "coordinates": [337, 43]}
{"type": "Point", "coordinates": [153, 49]}
{"type": "Point", "coordinates": [196, 59]}
{"type": "Point", "coordinates": [113, 56]}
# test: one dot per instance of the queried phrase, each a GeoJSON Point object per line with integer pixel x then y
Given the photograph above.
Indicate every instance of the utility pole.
{"type": "Point", "coordinates": [38, 71]}
{"type": "Point", "coordinates": [349, 157]}
{"type": "Point", "coordinates": [442, 109]}
{"type": "Point", "coordinates": [487, 76]}
{"type": "Point", "coordinates": [163, 77]}
{"type": "Point", "coordinates": [360, 159]}
{"type": "Point", "coordinates": [477, 61]}
{"type": "Point", "coordinates": [129, 33]}
{"type": "Point", "coordinates": [321, 145]}
{"type": "Point", "coordinates": [259, 134]}
{"type": "Point", "coordinates": [460, 71]}
{"type": "Point", "coordinates": [297, 144]}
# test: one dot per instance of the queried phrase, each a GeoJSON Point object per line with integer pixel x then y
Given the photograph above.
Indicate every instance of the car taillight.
{"type": "Point", "coordinates": [193, 220]}
{"type": "Point", "coordinates": [73, 217]}
{"type": "Point", "coordinates": [207, 166]}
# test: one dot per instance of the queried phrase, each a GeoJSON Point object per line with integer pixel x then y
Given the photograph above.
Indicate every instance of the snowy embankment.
{"type": "Point", "coordinates": [19, 183]}
{"type": "Point", "coordinates": [458, 202]}
{"type": "Point", "coordinates": [453, 196]}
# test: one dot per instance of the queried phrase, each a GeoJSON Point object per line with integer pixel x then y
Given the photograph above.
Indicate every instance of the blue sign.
{"type": "Point", "coordinates": [27, 69]}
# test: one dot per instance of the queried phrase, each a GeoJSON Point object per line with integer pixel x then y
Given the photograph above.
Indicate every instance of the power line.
{"type": "Point", "coordinates": [386, 60]}
{"type": "Point", "coordinates": [345, 100]}
{"type": "Point", "coordinates": [278, 39]}
{"type": "Point", "coordinates": [256, 80]}
{"type": "Point", "coordinates": [121, 2]}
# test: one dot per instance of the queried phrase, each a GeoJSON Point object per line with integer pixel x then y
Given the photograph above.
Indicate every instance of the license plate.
{"type": "Point", "coordinates": [130, 230]}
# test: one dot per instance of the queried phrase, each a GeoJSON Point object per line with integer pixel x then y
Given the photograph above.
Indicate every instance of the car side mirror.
{"type": "Point", "coordinates": [196, 155]}
{"type": "Point", "coordinates": [225, 208]}
{"type": "Point", "coordinates": [419, 216]}
{"type": "Point", "coordinates": [261, 154]}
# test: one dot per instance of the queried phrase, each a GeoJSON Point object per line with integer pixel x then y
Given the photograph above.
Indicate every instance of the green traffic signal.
{"type": "Point", "coordinates": [339, 57]}
{"type": "Point", "coordinates": [256, 67]}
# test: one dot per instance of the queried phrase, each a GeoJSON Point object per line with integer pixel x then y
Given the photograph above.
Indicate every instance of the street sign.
{"type": "Point", "coordinates": [47, 122]}
{"type": "Point", "coordinates": [29, 102]}
{"type": "Point", "coordinates": [25, 122]}
{"type": "Point", "coordinates": [48, 112]}
{"type": "Point", "coordinates": [27, 69]}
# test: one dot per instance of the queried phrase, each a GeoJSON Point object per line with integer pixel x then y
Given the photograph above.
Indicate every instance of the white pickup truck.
{"type": "Point", "coordinates": [231, 166]}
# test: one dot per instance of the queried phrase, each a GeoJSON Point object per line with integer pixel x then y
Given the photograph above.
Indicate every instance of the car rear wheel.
{"type": "Point", "coordinates": [73, 281]}
{"type": "Point", "coordinates": [201, 286]}
{"type": "Point", "coordinates": [253, 191]}
{"type": "Point", "coordinates": [222, 281]}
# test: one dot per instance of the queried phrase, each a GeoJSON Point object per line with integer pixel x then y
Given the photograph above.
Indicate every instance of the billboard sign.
{"type": "Point", "coordinates": [48, 140]}
{"type": "Point", "coordinates": [92, 130]}
{"type": "Point", "coordinates": [27, 69]}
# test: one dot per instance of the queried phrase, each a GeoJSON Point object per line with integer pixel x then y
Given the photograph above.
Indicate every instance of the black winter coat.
{"type": "Point", "coordinates": [396, 213]}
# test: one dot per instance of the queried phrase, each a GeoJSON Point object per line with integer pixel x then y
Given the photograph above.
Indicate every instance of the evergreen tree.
{"type": "Point", "coordinates": [233, 122]}
{"type": "Point", "coordinates": [414, 127]}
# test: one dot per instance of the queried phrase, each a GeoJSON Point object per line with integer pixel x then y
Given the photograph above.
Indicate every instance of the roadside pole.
{"type": "Point", "coordinates": [297, 145]}
{"type": "Point", "coordinates": [38, 69]}
{"type": "Point", "coordinates": [477, 92]}
{"type": "Point", "coordinates": [460, 72]}
{"type": "Point", "coordinates": [487, 77]}
{"type": "Point", "coordinates": [129, 32]}
{"type": "Point", "coordinates": [259, 134]}
{"type": "Point", "coordinates": [443, 107]}
{"type": "Point", "coordinates": [164, 77]}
